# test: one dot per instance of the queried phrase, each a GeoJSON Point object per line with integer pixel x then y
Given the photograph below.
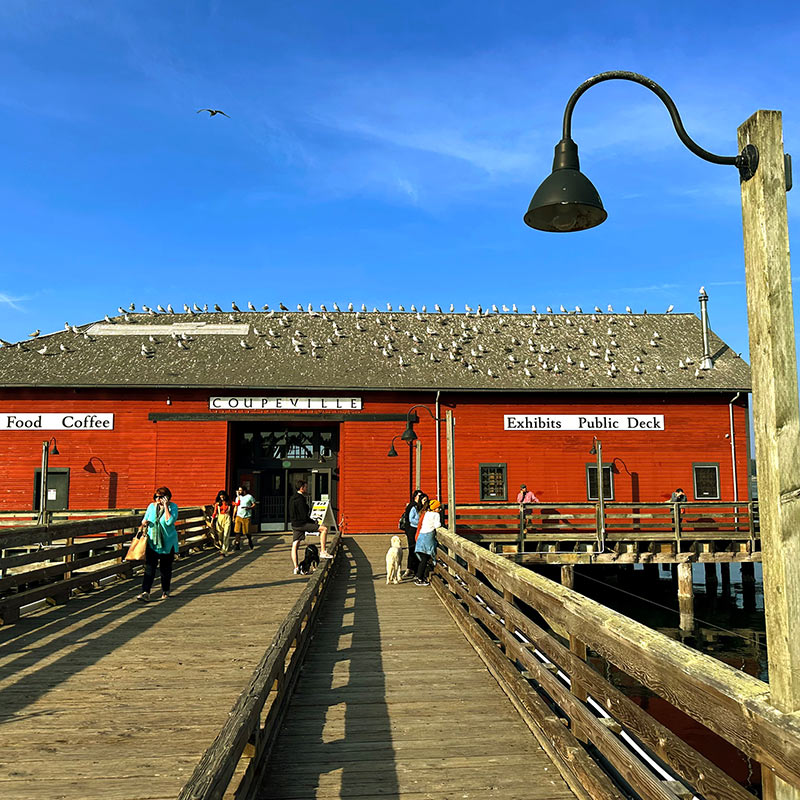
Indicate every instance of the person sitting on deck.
{"type": "Point", "coordinates": [526, 495]}
{"type": "Point", "coordinates": [678, 496]}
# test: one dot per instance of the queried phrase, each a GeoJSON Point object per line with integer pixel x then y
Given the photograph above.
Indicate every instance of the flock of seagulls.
{"type": "Point", "coordinates": [494, 341]}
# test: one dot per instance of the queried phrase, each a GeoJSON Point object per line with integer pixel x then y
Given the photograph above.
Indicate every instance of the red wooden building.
{"type": "Point", "coordinates": [205, 401]}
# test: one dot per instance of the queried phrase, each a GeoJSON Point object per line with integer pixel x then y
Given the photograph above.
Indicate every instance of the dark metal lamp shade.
{"type": "Point", "coordinates": [566, 201]}
{"type": "Point", "coordinates": [409, 434]}
{"type": "Point", "coordinates": [392, 452]}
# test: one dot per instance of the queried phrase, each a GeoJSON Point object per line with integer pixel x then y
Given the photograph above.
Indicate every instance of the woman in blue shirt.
{"type": "Point", "coordinates": [410, 522]}
{"type": "Point", "coordinates": [162, 542]}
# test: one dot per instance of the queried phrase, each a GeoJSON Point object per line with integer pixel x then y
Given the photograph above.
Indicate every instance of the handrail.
{"type": "Point", "coordinates": [274, 678]}
{"type": "Point", "coordinates": [75, 547]}
{"type": "Point", "coordinates": [729, 702]}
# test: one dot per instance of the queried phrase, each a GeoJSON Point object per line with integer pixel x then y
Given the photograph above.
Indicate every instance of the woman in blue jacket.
{"type": "Point", "coordinates": [162, 542]}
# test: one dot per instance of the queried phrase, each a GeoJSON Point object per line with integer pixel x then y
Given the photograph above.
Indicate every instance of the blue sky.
{"type": "Point", "coordinates": [375, 152]}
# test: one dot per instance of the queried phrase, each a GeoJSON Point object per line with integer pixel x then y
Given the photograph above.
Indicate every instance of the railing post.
{"type": "Point", "coordinates": [676, 522]}
{"type": "Point", "coordinates": [521, 547]}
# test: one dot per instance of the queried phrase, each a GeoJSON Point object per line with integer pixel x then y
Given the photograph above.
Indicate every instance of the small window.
{"type": "Point", "coordinates": [591, 482]}
{"type": "Point", "coordinates": [493, 482]}
{"type": "Point", "coordinates": [706, 481]}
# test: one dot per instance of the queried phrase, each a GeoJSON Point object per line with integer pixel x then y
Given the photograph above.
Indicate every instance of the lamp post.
{"type": "Point", "coordinates": [43, 517]}
{"type": "Point", "coordinates": [393, 454]}
{"type": "Point", "coordinates": [567, 201]}
{"type": "Point", "coordinates": [409, 435]}
{"type": "Point", "coordinates": [597, 449]}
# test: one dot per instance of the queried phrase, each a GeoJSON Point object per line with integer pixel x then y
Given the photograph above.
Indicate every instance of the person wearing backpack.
{"type": "Point", "coordinates": [408, 523]}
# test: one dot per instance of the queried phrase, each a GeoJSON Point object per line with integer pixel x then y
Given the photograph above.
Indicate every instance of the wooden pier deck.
{"type": "Point", "coordinates": [111, 699]}
{"type": "Point", "coordinates": [393, 702]}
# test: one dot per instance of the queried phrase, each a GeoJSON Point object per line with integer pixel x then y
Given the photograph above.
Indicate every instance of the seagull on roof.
{"type": "Point", "coordinates": [549, 310]}
{"type": "Point", "coordinates": [132, 307]}
{"type": "Point", "coordinates": [265, 307]}
{"type": "Point", "coordinates": [234, 307]}
{"type": "Point", "coordinates": [669, 310]}
{"type": "Point", "coordinates": [212, 112]}
{"type": "Point", "coordinates": [170, 309]}
{"type": "Point", "coordinates": [34, 334]}
{"type": "Point", "coordinates": [246, 345]}
{"type": "Point", "coordinates": [494, 308]}
{"type": "Point", "coordinates": [43, 350]}
{"type": "Point", "coordinates": [438, 308]}
{"type": "Point", "coordinates": [160, 308]}
{"type": "Point", "coordinates": [628, 310]}
{"type": "Point", "coordinates": [562, 309]}
{"type": "Point", "coordinates": [251, 306]}
{"type": "Point", "coordinates": [610, 309]}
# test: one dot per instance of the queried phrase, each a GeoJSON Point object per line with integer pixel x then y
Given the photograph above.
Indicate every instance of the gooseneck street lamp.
{"type": "Point", "coordinates": [43, 517]}
{"type": "Point", "coordinates": [567, 201]}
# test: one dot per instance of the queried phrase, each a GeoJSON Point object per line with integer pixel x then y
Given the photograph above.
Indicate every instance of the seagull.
{"type": "Point", "coordinates": [251, 306]}
{"type": "Point", "coordinates": [182, 344]}
{"type": "Point", "coordinates": [610, 309]}
{"type": "Point", "coordinates": [282, 307]}
{"type": "Point", "coordinates": [669, 310]}
{"type": "Point", "coordinates": [43, 350]}
{"type": "Point", "coordinates": [212, 112]}
{"type": "Point", "coordinates": [336, 307]}
{"type": "Point", "coordinates": [628, 310]}
{"type": "Point", "coordinates": [533, 309]}
{"type": "Point", "coordinates": [562, 309]}
{"type": "Point", "coordinates": [265, 307]}
{"type": "Point", "coordinates": [132, 307]}
{"type": "Point", "coordinates": [34, 334]}
{"type": "Point", "coordinates": [598, 310]}
{"type": "Point", "coordinates": [170, 309]}
{"type": "Point", "coordinates": [234, 307]}
{"type": "Point", "coordinates": [246, 345]}
{"type": "Point", "coordinates": [64, 349]}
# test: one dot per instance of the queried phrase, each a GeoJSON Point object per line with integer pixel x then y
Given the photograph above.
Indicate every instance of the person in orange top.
{"type": "Point", "coordinates": [221, 520]}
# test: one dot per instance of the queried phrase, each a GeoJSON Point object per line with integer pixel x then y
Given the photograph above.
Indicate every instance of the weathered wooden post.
{"type": "Point", "coordinates": [686, 596]}
{"type": "Point", "coordinates": [451, 468]}
{"type": "Point", "coordinates": [568, 576]}
{"type": "Point", "coordinates": [775, 411]}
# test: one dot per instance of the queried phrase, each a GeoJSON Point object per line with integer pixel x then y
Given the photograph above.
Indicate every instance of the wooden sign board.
{"type": "Point", "coordinates": [322, 513]}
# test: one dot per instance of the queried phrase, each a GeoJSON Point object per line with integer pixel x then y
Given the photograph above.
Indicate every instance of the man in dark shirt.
{"type": "Point", "coordinates": [301, 522]}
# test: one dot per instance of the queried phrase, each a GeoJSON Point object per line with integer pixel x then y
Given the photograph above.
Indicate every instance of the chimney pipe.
{"type": "Point", "coordinates": [706, 363]}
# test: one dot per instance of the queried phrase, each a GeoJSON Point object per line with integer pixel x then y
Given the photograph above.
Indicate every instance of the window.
{"type": "Point", "coordinates": [591, 482]}
{"type": "Point", "coordinates": [493, 482]}
{"type": "Point", "coordinates": [706, 481]}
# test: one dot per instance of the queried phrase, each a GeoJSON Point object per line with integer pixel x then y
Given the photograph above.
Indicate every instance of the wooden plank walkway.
{"type": "Point", "coordinates": [108, 698]}
{"type": "Point", "coordinates": [394, 703]}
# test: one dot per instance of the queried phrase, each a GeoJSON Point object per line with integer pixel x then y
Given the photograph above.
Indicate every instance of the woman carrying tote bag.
{"type": "Point", "coordinates": [162, 542]}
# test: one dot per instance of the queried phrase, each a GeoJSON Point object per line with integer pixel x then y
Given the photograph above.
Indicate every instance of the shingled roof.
{"type": "Point", "coordinates": [380, 350]}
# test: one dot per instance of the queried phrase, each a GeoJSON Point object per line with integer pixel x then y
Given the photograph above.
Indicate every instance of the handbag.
{"type": "Point", "coordinates": [138, 548]}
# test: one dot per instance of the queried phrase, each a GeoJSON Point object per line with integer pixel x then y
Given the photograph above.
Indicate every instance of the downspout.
{"type": "Point", "coordinates": [706, 363]}
{"type": "Point", "coordinates": [733, 449]}
{"type": "Point", "coordinates": [438, 452]}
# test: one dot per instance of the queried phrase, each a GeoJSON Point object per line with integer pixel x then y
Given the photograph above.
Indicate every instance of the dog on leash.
{"type": "Point", "coordinates": [394, 557]}
{"type": "Point", "coordinates": [310, 559]}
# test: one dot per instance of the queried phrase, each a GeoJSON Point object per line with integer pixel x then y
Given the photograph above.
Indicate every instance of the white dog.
{"type": "Point", "coordinates": [394, 557]}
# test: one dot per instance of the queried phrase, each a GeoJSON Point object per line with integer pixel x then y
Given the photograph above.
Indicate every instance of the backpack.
{"type": "Point", "coordinates": [402, 523]}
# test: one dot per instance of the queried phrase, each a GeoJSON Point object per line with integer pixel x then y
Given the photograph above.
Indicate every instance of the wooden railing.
{"type": "Point", "coordinates": [242, 747]}
{"type": "Point", "coordinates": [63, 557]}
{"type": "Point", "coordinates": [574, 711]}
{"type": "Point", "coordinates": [15, 519]}
{"type": "Point", "coordinates": [615, 522]}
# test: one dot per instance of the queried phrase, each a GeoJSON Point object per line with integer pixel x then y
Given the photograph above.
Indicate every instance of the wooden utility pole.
{"type": "Point", "coordinates": [775, 411]}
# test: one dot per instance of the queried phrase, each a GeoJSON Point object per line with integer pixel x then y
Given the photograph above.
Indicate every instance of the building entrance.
{"type": "Point", "coordinates": [270, 459]}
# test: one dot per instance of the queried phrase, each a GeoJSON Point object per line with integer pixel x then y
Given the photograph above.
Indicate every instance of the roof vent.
{"type": "Point", "coordinates": [706, 362]}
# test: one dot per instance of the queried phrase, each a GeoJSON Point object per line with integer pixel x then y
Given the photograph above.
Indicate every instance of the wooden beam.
{"type": "Point", "coordinates": [776, 421]}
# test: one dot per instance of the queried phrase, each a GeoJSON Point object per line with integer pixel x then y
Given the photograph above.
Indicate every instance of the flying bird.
{"type": "Point", "coordinates": [212, 112]}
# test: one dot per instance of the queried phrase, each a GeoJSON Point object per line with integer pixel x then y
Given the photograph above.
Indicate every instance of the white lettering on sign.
{"type": "Point", "coordinates": [76, 421]}
{"type": "Point", "coordinates": [284, 403]}
{"type": "Point", "coordinates": [583, 422]}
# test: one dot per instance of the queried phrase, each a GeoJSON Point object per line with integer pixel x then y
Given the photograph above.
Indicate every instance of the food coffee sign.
{"type": "Point", "coordinates": [73, 421]}
{"type": "Point", "coordinates": [584, 422]}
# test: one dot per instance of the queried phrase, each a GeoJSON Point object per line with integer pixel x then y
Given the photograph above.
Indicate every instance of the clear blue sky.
{"type": "Point", "coordinates": [375, 152]}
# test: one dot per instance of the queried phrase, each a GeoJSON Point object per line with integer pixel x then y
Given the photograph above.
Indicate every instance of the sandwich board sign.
{"type": "Point", "coordinates": [322, 513]}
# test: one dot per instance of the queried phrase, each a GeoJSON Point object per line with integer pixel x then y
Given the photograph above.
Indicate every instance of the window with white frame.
{"type": "Point", "coordinates": [706, 481]}
{"type": "Point", "coordinates": [591, 482]}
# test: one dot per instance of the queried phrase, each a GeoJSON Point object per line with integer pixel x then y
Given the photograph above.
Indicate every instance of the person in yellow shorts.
{"type": "Point", "coordinates": [243, 503]}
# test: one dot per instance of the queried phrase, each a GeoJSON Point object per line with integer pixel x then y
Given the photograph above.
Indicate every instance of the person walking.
{"type": "Point", "coordinates": [426, 539]}
{"type": "Point", "coordinates": [410, 522]}
{"type": "Point", "coordinates": [301, 522]}
{"type": "Point", "coordinates": [162, 542]}
{"type": "Point", "coordinates": [243, 504]}
{"type": "Point", "coordinates": [222, 522]}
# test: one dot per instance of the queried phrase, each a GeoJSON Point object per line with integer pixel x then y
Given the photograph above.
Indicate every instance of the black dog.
{"type": "Point", "coordinates": [310, 559]}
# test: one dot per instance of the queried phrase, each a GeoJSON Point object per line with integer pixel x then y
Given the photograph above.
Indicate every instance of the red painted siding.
{"type": "Point", "coordinates": [193, 457]}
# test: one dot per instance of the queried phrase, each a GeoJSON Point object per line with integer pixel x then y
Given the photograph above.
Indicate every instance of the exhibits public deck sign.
{"type": "Point", "coordinates": [76, 421]}
{"type": "Point", "coordinates": [285, 403]}
{"type": "Point", "coordinates": [584, 422]}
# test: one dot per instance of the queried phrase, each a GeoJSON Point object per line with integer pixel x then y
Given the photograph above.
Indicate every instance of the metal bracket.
{"type": "Point", "coordinates": [747, 162]}
{"type": "Point", "coordinates": [787, 171]}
